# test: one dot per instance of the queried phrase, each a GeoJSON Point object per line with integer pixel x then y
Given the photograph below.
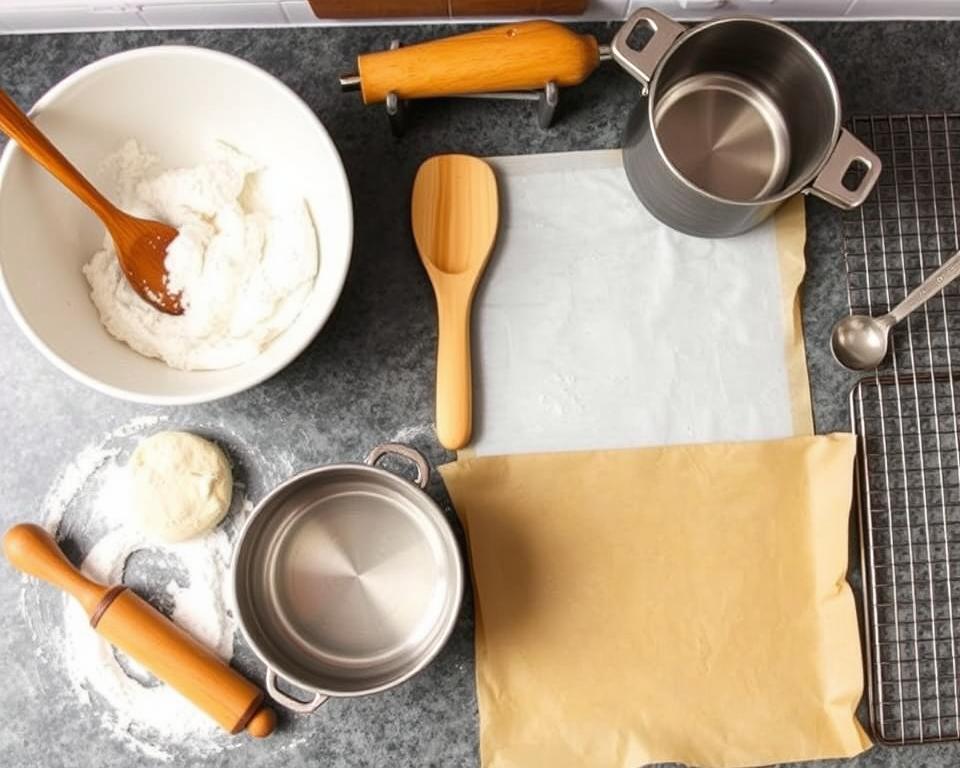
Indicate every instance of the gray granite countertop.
{"type": "Point", "coordinates": [369, 374]}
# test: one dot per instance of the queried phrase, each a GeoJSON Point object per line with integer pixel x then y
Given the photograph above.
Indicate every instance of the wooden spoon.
{"type": "Point", "coordinates": [454, 212]}
{"type": "Point", "coordinates": [141, 244]}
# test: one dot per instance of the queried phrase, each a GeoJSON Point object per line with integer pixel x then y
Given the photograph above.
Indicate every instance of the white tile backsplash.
{"type": "Point", "coordinates": [898, 9]}
{"type": "Point", "coordinates": [685, 10]}
{"type": "Point", "coordinates": [39, 19]}
{"type": "Point", "coordinates": [607, 9]}
{"type": "Point", "coordinates": [66, 15]}
{"type": "Point", "coordinates": [298, 12]}
{"type": "Point", "coordinates": [213, 14]}
{"type": "Point", "coordinates": [793, 9]}
{"type": "Point", "coordinates": [701, 5]}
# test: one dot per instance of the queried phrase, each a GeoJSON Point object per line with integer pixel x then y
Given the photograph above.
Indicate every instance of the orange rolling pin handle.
{"type": "Point", "coordinates": [139, 630]}
{"type": "Point", "coordinates": [511, 57]}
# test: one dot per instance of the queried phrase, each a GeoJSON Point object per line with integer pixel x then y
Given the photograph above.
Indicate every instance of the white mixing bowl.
{"type": "Point", "coordinates": [176, 101]}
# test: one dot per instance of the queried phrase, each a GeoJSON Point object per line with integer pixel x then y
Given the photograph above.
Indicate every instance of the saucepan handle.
{"type": "Point", "coordinates": [641, 63]}
{"type": "Point", "coordinates": [294, 705]}
{"type": "Point", "coordinates": [406, 452]}
{"type": "Point", "coordinates": [829, 182]}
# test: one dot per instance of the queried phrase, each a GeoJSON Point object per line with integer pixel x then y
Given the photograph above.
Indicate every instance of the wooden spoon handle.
{"type": "Point", "coordinates": [31, 549]}
{"type": "Point", "coordinates": [521, 56]}
{"type": "Point", "coordinates": [454, 382]}
{"type": "Point", "coordinates": [19, 127]}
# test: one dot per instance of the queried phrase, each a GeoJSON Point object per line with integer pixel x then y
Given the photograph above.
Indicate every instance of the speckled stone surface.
{"type": "Point", "coordinates": [369, 374]}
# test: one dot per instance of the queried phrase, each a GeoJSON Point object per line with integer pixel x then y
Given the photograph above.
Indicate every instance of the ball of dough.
{"type": "Point", "coordinates": [182, 485]}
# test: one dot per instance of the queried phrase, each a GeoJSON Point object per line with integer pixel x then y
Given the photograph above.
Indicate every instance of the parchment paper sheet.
{"type": "Point", "coordinates": [685, 603]}
{"type": "Point", "coordinates": [596, 326]}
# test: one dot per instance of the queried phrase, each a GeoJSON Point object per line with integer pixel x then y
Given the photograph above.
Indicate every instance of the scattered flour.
{"type": "Point", "coordinates": [136, 425]}
{"type": "Point", "coordinates": [412, 433]}
{"type": "Point", "coordinates": [88, 504]}
{"type": "Point", "coordinates": [134, 702]}
{"type": "Point", "coordinates": [72, 479]}
{"type": "Point", "coordinates": [244, 262]}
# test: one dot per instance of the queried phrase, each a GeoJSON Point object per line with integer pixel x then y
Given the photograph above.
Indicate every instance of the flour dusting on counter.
{"type": "Point", "coordinates": [87, 507]}
{"type": "Point", "coordinates": [245, 259]}
{"type": "Point", "coordinates": [197, 592]}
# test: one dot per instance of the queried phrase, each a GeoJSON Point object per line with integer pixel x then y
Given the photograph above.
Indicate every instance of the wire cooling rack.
{"type": "Point", "coordinates": [906, 417]}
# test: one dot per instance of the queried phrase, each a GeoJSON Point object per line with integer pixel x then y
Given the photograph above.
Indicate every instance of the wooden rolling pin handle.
{"type": "Point", "coordinates": [137, 628]}
{"type": "Point", "coordinates": [31, 549]}
{"type": "Point", "coordinates": [263, 723]}
{"type": "Point", "coordinates": [522, 56]}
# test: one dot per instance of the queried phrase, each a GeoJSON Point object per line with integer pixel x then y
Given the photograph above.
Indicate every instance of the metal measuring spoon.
{"type": "Point", "coordinates": [859, 342]}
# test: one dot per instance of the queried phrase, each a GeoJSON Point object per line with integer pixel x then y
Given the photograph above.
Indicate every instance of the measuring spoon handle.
{"type": "Point", "coordinates": [939, 280]}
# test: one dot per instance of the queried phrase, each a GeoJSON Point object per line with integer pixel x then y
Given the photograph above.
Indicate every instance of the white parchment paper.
{"type": "Point", "coordinates": [596, 326]}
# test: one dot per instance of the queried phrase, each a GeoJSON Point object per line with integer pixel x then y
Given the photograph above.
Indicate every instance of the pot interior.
{"type": "Point", "coordinates": [744, 110]}
{"type": "Point", "coordinates": [348, 580]}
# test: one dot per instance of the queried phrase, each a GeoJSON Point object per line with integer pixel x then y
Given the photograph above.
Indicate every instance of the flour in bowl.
{"type": "Point", "coordinates": [245, 259]}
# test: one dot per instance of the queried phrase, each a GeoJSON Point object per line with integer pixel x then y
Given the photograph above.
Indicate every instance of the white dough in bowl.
{"type": "Point", "coordinates": [181, 485]}
{"type": "Point", "coordinates": [244, 261]}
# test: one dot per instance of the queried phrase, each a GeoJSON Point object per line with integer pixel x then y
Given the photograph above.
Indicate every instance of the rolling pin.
{"type": "Point", "coordinates": [512, 57]}
{"type": "Point", "coordinates": [146, 635]}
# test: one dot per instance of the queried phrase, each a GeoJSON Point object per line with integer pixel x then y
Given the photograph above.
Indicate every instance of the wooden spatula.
{"type": "Point", "coordinates": [455, 213]}
{"type": "Point", "coordinates": [141, 243]}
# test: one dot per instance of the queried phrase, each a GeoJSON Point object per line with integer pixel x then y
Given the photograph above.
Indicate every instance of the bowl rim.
{"type": "Point", "coordinates": [240, 384]}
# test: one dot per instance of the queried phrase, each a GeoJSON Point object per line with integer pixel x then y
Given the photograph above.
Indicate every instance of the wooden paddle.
{"type": "Point", "coordinates": [454, 213]}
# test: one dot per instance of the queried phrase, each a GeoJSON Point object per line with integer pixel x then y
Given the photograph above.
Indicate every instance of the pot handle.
{"type": "Point", "coordinates": [423, 468]}
{"type": "Point", "coordinates": [829, 182]}
{"type": "Point", "coordinates": [642, 63]}
{"type": "Point", "coordinates": [294, 705]}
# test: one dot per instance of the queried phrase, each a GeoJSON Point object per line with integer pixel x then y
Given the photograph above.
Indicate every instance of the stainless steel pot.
{"type": "Point", "coordinates": [347, 580]}
{"type": "Point", "coordinates": [742, 113]}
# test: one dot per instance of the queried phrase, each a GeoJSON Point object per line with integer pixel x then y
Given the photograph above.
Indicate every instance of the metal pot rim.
{"type": "Point", "coordinates": [429, 507]}
{"type": "Point", "coordinates": [814, 54]}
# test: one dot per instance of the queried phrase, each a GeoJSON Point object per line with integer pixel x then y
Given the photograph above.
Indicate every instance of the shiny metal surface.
{"type": "Point", "coordinates": [859, 342]}
{"type": "Point", "coordinates": [347, 579]}
{"type": "Point", "coordinates": [724, 135]}
{"type": "Point", "coordinates": [742, 114]}
{"type": "Point", "coordinates": [671, 199]}
{"type": "Point", "coordinates": [829, 183]}
{"type": "Point", "coordinates": [349, 83]}
{"type": "Point", "coordinates": [907, 420]}
{"type": "Point", "coordinates": [642, 62]}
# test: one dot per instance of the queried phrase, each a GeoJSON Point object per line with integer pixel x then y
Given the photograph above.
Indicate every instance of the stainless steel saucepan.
{"type": "Point", "coordinates": [347, 580]}
{"type": "Point", "coordinates": [741, 114]}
